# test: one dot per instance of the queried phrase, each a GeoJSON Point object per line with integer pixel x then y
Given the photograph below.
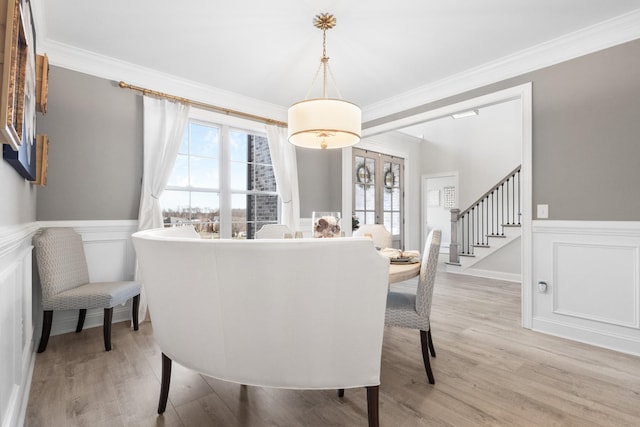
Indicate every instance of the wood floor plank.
{"type": "Point", "coordinates": [489, 372]}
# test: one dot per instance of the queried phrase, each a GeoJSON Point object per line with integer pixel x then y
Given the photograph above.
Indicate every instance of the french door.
{"type": "Point", "coordinates": [378, 191]}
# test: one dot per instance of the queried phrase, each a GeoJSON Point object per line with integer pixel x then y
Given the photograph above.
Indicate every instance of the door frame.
{"type": "Point", "coordinates": [523, 93]}
{"type": "Point", "coordinates": [423, 186]}
{"type": "Point", "coordinates": [347, 172]}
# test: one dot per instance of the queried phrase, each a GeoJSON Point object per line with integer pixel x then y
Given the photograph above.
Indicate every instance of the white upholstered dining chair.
{"type": "Point", "coordinates": [282, 313]}
{"type": "Point", "coordinates": [273, 231]}
{"type": "Point", "coordinates": [379, 234]}
{"type": "Point", "coordinates": [64, 278]}
{"type": "Point", "coordinates": [413, 310]}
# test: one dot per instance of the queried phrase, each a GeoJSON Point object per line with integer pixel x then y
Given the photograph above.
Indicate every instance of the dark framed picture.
{"type": "Point", "coordinates": [18, 100]}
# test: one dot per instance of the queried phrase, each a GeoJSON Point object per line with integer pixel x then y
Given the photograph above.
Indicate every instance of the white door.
{"type": "Point", "coordinates": [378, 191]}
{"type": "Point", "coordinates": [439, 196]}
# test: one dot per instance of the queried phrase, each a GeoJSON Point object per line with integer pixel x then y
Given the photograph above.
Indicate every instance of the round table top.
{"type": "Point", "coordinates": [402, 272]}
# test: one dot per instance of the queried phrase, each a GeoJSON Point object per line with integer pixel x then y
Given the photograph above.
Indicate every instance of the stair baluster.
{"type": "Point", "coordinates": [495, 208]}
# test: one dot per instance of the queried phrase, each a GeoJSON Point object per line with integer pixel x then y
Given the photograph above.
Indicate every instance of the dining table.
{"type": "Point", "coordinates": [399, 272]}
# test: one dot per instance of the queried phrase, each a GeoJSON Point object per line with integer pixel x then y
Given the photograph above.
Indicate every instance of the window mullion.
{"type": "Point", "coordinates": [225, 184]}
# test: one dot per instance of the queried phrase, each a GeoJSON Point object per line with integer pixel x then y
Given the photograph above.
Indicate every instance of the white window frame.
{"type": "Point", "coordinates": [226, 124]}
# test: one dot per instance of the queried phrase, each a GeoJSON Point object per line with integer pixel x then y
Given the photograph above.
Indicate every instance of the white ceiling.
{"type": "Point", "coordinates": [270, 51]}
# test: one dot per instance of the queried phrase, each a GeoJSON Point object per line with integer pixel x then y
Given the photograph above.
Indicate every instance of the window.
{"type": "Point", "coordinates": [222, 182]}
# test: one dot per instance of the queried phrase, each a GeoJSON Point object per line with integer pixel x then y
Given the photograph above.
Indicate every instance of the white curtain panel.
{"type": "Point", "coordinates": [163, 126]}
{"type": "Point", "coordinates": [285, 168]}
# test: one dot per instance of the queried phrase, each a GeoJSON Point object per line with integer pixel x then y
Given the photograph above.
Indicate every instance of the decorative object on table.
{"type": "Point", "coordinates": [324, 122]}
{"type": "Point", "coordinates": [18, 97]}
{"type": "Point", "coordinates": [355, 223]}
{"type": "Point", "coordinates": [326, 224]}
{"type": "Point", "coordinates": [397, 256]}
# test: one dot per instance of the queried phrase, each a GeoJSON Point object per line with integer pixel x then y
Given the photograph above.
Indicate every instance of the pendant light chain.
{"type": "Point", "coordinates": [325, 62]}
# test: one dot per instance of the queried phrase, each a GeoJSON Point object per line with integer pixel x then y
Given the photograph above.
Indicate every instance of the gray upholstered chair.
{"type": "Point", "coordinates": [64, 277]}
{"type": "Point", "coordinates": [409, 310]}
{"type": "Point", "coordinates": [273, 231]}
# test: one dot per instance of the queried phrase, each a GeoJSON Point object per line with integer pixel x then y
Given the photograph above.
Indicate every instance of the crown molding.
{"type": "Point", "coordinates": [612, 32]}
{"type": "Point", "coordinates": [72, 58]}
{"type": "Point", "coordinates": [603, 35]}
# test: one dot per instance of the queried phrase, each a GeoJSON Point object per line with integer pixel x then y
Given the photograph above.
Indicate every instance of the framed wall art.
{"type": "Point", "coordinates": [18, 94]}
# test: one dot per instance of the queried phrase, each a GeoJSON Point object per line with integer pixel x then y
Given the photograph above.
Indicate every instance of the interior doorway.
{"type": "Point", "coordinates": [523, 95]}
{"type": "Point", "coordinates": [439, 196]}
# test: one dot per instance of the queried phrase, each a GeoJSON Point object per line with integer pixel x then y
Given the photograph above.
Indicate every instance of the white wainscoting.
{"type": "Point", "coordinates": [16, 326]}
{"type": "Point", "coordinates": [110, 256]}
{"type": "Point", "coordinates": [592, 272]}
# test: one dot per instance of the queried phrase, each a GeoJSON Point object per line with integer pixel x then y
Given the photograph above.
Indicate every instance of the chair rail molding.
{"type": "Point", "coordinates": [592, 274]}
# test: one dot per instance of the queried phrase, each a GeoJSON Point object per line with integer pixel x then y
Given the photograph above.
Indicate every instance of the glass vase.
{"type": "Point", "coordinates": [326, 224]}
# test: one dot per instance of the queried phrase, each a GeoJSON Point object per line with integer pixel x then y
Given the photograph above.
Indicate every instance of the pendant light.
{"type": "Point", "coordinates": [324, 123]}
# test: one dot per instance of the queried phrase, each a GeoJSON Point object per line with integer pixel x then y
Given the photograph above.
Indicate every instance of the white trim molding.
{"type": "Point", "coordinates": [592, 274]}
{"type": "Point", "coordinates": [601, 36]}
{"type": "Point", "coordinates": [16, 340]}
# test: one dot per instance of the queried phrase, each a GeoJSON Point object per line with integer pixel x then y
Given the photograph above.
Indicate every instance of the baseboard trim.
{"type": "Point", "coordinates": [26, 389]}
{"type": "Point", "coordinates": [609, 340]}
{"type": "Point", "coordinates": [489, 274]}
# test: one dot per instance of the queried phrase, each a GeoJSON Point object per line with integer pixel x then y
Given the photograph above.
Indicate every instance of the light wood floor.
{"type": "Point", "coordinates": [488, 370]}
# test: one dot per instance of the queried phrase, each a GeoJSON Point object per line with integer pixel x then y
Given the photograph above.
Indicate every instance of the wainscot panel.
{"type": "Point", "coordinates": [591, 270]}
{"type": "Point", "coordinates": [16, 326]}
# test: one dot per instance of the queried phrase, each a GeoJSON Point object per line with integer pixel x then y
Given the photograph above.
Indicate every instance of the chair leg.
{"type": "Point", "coordinates": [431, 347]}
{"type": "Point", "coordinates": [134, 313]}
{"type": "Point", "coordinates": [425, 356]}
{"type": "Point", "coordinates": [47, 319]}
{"type": "Point", "coordinates": [372, 405]}
{"type": "Point", "coordinates": [164, 386]}
{"type": "Point", "coordinates": [340, 392]}
{"type": "Point", "coordinates": [106, 328]}
{"type": "Point", "coordinates": [81, 317]}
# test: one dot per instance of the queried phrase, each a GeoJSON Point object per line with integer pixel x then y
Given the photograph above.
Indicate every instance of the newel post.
{"type": "Point", "coordinates": [454, 258]}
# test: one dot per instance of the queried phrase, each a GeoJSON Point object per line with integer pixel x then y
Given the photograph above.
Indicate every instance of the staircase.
{"type": "Point", "coordinates": [487, 225]}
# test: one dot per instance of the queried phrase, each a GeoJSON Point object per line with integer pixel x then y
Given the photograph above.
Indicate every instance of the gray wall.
{"type": "Point", "coordinates": [95, 153]}
{"type": "Point", "coordinates": [17, 196]}
{"type": "Point", "coordinates": [586, 134]}
{"type": "Point", "coordinates": [319, 180]}
{"type": "Point", "coordinates": [586, 128]}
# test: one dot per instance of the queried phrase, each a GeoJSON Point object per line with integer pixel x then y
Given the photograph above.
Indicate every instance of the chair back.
{"type": "Point", "coordinates": [381, 236]}
{"type": "Point", "coordinates": [62, 264]}
{"type": "Point", "coordinates": [291, 313]}
{"type": "Point", "coordinates": [428, 269]}
{"type": "Point", "coordinates": [272, 231]}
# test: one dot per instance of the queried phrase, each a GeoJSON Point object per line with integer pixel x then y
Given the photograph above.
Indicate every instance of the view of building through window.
{"type": "Point", "coordinates": [222, 183]}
